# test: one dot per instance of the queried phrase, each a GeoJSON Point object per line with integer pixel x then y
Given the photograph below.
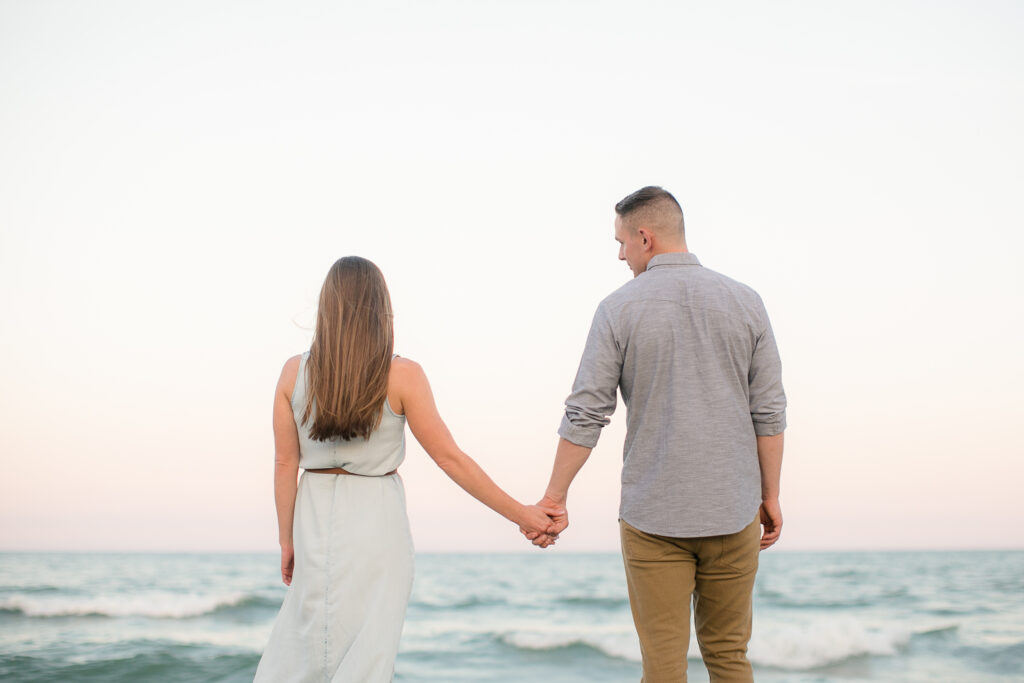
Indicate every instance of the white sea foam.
{"type": "Point", "coordinates": [794, 647]}
{"type": "Point", "coordinates": [818, 643]}
{"type": "Point", "coordinates": [156, 604]}
{"type": "Point", "coordinates": [615, 643]}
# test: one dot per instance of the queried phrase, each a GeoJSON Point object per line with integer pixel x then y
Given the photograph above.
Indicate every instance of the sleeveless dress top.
{"type": "Point", "coordinates": [341, 619]}
{"type": "Point", "coordinates": [382, 452]}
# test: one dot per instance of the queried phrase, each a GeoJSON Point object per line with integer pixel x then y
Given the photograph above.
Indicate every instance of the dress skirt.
{"type": "Point", "coordinates": [342, 617]}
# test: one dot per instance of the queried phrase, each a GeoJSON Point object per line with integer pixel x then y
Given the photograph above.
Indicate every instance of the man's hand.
{"type": "Point", "coordinates": [538, 523]}
{"type": "Point", "coordinates": [771, 519]}
{"type": "Point", "coordinates": [556, 511]}
{"type": "Point", "coordinates": [559, 521]}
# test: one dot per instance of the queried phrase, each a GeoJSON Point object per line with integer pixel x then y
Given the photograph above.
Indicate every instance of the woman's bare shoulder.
{"type": "Point", "coordinates": [291, 366]}
{"type": "Point", "coordinates": [405, 374]}
{"type": "Point", "coordinates": [288, 374]}
{"type": "Point", "coordinates": [405, 366]}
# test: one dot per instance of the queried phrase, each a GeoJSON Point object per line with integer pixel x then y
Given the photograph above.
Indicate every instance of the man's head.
{"type": "Point", "coordinates": [647, 223]}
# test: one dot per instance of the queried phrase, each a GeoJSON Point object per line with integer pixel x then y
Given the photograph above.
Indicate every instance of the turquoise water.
{"type": "Point", "coordinates": [821, 617]}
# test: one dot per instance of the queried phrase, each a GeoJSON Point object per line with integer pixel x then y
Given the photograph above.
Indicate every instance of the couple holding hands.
{"type": "Point", "coordinates": [693, 355]}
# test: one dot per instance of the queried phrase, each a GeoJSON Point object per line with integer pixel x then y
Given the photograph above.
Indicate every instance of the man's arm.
{"type": "Point", "coordinates": [769, 457]}
{"type": "Point", "coordinates": [767, 397]}
{"type": "Point", "coordinates": [768, 412]}
{"type": "Point", "coordinates": [569, 458]}
{"type": "Point", "coordinates": [587, 409]}
{"type": "Point", "coordinates": [593, 397]}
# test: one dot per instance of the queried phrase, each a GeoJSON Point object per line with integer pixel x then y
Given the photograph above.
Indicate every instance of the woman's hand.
{"type": "Point", "coordinates": [287, 563]}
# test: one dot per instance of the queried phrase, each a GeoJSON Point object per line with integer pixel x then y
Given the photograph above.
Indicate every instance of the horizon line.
{"type": "Point", "coordinates": [81, 551]}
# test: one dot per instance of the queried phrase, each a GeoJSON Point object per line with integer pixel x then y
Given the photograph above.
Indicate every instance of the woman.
{"type": "Point", "coordinates": [346, 553]}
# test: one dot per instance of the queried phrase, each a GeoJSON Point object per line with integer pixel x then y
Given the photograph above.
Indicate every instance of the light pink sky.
{"type": "Point", "coordinates": [175, 180]}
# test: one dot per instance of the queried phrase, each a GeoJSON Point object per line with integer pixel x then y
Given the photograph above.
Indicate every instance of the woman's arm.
{"type": "Point", "coordinates": [286, 464]}
{"type": "Point", "coordinates": [416, 400]}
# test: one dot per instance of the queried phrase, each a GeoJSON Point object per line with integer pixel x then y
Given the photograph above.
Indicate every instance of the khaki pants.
{"type": "Point", "coordinates": [662, 574]}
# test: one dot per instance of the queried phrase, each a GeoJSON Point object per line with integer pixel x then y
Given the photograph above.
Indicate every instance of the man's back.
{"type": "Point", "coordinates": [700, 376]}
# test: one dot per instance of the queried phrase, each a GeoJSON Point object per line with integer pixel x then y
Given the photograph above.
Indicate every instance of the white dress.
{"type": "Point", "coordinates": [342, 616]}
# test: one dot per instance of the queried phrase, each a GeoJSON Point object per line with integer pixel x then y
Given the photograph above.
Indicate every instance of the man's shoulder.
{"type": "Point", "coordinates": [629, 291]}
{"type": "Point", "coordinates": [730, 284]}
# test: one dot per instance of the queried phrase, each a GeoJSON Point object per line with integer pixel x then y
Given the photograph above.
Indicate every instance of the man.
{"type": "Point", "coordinates": [694, 356]}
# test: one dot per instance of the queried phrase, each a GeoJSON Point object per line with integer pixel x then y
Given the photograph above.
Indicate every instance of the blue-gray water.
{"type": "Point", "coordinates": [548, 616]}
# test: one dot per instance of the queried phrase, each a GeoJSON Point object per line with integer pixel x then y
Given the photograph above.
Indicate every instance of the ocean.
{"type": "Point", "coordinates": [540, 616]}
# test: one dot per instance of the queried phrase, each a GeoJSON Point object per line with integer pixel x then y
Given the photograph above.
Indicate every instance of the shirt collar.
{"type": "Point", "coordinates": [674, 258]}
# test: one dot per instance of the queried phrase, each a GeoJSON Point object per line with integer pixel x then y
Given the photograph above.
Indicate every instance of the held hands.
{"type": "Point", "coordinates": [771, 519]}
{"type": "Point", "coordinates": [557, 517]}
{"type": "Point", "coordinates": [540, 523]}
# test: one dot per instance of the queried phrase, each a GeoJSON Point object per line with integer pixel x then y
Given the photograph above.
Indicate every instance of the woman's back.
{"type": "Point", "coordinates": [381, 453]}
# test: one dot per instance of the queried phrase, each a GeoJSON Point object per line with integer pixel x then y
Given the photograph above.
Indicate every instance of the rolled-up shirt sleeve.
{"type": "Point", "coordinates": [593, 397]}
{"type": "Point", "coordinates": [767, 397]}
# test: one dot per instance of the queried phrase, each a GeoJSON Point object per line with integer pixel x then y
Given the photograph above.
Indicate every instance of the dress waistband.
{"type": "Point", "coordinates": [338, 470]}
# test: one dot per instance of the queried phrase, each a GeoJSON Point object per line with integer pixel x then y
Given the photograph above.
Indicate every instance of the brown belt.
{"type": "Point", "coordinates": [338, 470]}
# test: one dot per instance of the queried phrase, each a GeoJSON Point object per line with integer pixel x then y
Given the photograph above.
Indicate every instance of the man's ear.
{"type": "Point", "coordinates": [645, 238]}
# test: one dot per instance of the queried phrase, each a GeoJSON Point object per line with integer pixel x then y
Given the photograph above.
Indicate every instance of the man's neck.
{"type": "Point", "coordinates": [674, 249]}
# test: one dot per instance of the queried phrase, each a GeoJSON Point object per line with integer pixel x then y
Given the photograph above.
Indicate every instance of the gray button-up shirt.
{"type": "Point", "coordinates": [694, 356]}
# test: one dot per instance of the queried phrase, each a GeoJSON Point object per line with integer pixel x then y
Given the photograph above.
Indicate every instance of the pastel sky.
{"type": "Point", "coordinates": [176, 178]}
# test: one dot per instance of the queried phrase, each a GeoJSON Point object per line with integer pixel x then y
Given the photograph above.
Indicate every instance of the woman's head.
{"type": "Point", "coordinates": [350, 357]}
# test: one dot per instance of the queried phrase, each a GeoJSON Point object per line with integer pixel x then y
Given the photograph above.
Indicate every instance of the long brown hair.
{"type": "Point", "coordinates": [350, 358]}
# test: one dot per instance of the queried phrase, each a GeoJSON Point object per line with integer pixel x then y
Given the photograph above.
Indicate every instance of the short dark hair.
{"type": "Point", "coordinates": [645, 196]}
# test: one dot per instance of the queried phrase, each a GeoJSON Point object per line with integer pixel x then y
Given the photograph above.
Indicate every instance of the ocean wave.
{"type": "Point", "coordinates": [594, 601]}
{"type": "Point", "coordinates": [780, 600]}
{"type": "Point", "coordinates": [816, 644]}
{"type": "Point", "coordinates": [958, 610]}
{"type": "Point", "coordinates": [820, 644]}
{"type": "Point", "coordinates": [156, 605]}
{"type": "Point", "coordinates": [39, 588]}
{"type": "Point", "coordinates": [820, 594]}
{"type": "Point", "coordinates": [844, 573]}
{"type": "Point", "coordinates": [940, 631]}
{"type": "Point", "coordinates": [823, 605]}
{"type": "Point", "coordinates": [611, 645]}
{"type": "Point", "coordinates": [464, 603]}
{"type": "Point", "coordinates": [472, 601]}
{"type": "Point", "coordinates": [811, 647]}
{"type": "Point", "coordinates": [171, 665]}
